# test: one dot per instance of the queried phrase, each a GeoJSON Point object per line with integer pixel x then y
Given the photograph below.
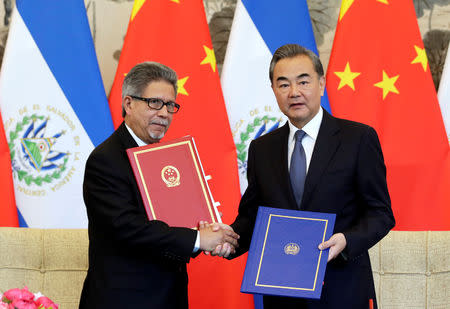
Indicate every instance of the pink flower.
{"type": "Point", "coordinates": [18, 294]}
{"type": "Point", "coordinates": [23, 304]}
{"type": "Point", "coordinates": [46, 302]}
{"type": "Point", "coordinates": [3, 305]}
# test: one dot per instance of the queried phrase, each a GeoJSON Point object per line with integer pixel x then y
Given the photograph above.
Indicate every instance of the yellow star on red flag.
{"type": "Point", "coordinates": [180, 85]}
{"type": "Point", "coordinates": [347, 77]}
{"type": "Point", "coordinates": [421, 57]}
{"type": "Point", "coordinates": [383, 1]}
{"type": "Point", "coordinates": [387, 84]}
{"type": "Point", "coordinates": [210, 58]}
{"type": "Point", "coordinates": [176, 1]}
{"type": "Point", "coordinates": [136, 7]}
{"type": "Point", "coordinates": [346, 4]}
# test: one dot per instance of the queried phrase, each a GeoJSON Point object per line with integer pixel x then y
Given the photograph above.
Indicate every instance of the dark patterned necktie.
{"type": "Point", "coordinates": [298, 167]}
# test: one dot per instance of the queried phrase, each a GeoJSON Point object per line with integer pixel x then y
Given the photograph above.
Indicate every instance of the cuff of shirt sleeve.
{"type": "Point", "coordinates": [197, 243]}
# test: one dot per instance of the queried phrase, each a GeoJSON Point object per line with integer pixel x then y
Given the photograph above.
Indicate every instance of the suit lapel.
{"type": "Point", "coordinates": [127, 141]}
{"type": "Point", "coordinates": [327, 143]}
{"type": "Point", "coordinates": [281, 155]}
{"type": "Point", "coordinates": [280, 171]}
{"type": "Point", "coordinates": [125, 137]}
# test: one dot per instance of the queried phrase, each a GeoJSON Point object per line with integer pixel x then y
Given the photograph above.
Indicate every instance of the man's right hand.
{"type": "Point", "coordinates": [212, 236]}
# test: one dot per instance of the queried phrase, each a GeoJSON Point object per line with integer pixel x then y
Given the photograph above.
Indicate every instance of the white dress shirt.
{"type": "Point", "coordinates": [309, 140]}
{"type": "Point", "coordinates": [142, 143]}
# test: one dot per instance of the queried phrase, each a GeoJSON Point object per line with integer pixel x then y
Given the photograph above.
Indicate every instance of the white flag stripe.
{"type": "Point", "coordinates": [245, 80]}
{"type": "Point", "coordinates": [444, 93]}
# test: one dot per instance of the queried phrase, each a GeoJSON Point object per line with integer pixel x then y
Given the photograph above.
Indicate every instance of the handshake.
{"type": "Point", "coordinates": [217, 239]}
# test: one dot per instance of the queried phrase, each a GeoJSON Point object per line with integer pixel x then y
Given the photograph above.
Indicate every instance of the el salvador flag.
{"type": "Point", "coordinates": [54, 109]}
{"type": "Point", "coordinates": [259, 28]}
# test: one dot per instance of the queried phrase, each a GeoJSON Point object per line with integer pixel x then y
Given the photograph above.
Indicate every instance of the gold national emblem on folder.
{"type": "Point", "coordinates": [171, 176]}
{"type": "Point", "coordinates": [291, 249]}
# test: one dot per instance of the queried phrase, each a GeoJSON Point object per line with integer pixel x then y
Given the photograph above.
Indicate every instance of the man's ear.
{"type": "Point", "coordinates": [126, 103]}
{"type": "Point", "coordinates": [322, 85]}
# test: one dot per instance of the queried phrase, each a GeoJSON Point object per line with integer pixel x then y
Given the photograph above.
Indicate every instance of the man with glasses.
{"type": "Point", "coordinates": [134, 262]}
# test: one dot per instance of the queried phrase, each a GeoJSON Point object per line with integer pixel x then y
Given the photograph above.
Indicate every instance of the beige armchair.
{"type": "Point", "coordinates": [412, 270]}
{"type": "Point", "coordinates": [53, 262]}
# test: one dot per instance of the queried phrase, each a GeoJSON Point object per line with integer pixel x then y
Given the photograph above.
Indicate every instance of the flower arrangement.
{"type": "Point", "coordinates": [24, 299]}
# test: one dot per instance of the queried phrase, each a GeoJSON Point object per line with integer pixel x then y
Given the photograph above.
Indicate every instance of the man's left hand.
{"type": "Point", "coordinates": [336, 243]}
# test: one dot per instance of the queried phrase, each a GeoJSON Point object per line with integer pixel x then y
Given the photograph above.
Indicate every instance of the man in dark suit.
{"type": "Point", "coordinates": [335, 166]}
{"type": "Point", "coordinates": [134, 262]}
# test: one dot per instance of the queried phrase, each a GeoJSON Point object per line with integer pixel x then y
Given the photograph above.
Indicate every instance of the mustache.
{"type": "Point", "coordinates": [163, 122]}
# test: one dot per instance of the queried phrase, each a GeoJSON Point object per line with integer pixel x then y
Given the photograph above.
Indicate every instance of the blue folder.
{"type": "Point", "coordinates": [284, 258]}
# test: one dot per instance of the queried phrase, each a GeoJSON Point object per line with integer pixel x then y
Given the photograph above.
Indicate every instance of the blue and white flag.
{"type": "Point", "coordinates": [444, 93]}
{"type": "Point", "coordinates": [54, 109]}
{"type": "Point", "coordinates": [259, 28]}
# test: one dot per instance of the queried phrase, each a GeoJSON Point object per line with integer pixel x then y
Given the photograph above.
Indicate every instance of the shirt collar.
{"type": "Point", "coordinates": [311, 128]}
{"type": "Point", "coordinates": [136, 139]}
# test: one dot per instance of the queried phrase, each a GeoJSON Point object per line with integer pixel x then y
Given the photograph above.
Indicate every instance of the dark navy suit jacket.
{"type": "Point", "coordinates": [346, 176]}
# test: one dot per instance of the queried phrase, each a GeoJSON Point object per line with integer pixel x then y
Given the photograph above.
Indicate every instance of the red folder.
{"type": "Point", "coordinates": [172, 183]}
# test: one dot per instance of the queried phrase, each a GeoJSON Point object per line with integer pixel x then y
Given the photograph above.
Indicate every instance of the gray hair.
{"type": "Point", "coordinates": [143, 74]}
{"type": "Point", "coordinates": [294, 50]}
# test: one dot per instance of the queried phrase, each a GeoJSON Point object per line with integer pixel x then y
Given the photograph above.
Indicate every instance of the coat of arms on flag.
{"type": "Point", "coordinates": [35, 155]}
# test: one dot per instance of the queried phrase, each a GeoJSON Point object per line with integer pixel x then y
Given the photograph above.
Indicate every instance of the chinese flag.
{"type": "Point", "coordinates": [8, 210]}
{"type": "Point", "coordinates": [378, 74]}
{"type": "Point", "coordinates": [175, 33]}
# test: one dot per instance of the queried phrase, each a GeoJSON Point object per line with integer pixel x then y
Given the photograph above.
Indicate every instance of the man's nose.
{"type": "Point", "coordinates": [295, 90]}
{"type": "Point", "coordinates": [163, 112]}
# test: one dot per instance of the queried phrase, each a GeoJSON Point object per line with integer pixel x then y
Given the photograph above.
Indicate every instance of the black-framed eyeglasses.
{"type": "Point", "coordinates": [156, 103]}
